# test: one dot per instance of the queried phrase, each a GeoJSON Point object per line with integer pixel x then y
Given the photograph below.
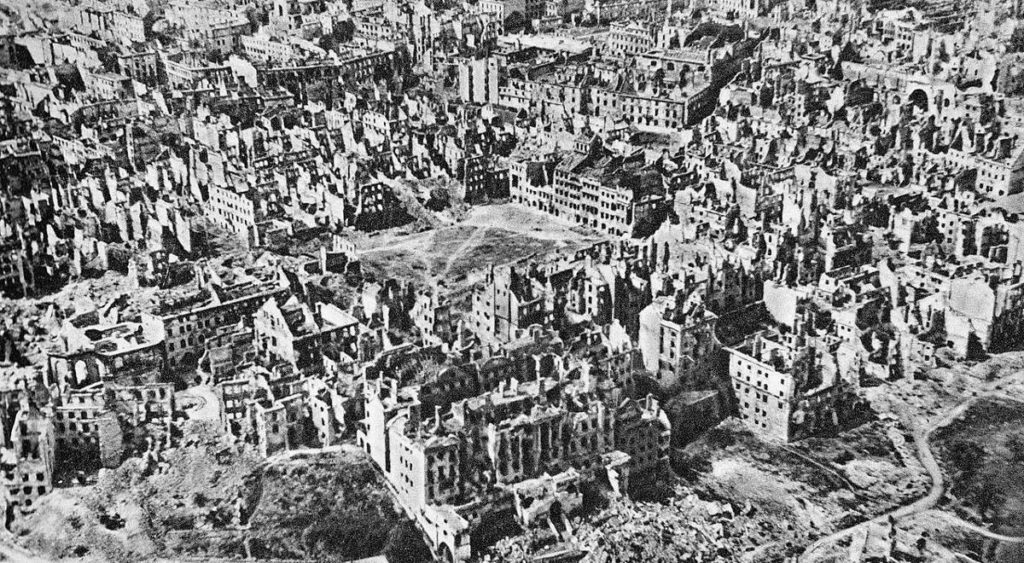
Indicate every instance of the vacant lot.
{"type": "Point", "coordinates": [982, 454]}
{"type": "Point", "coordinates": [328, 506]}
{"type": "Point", "coordinates": [457, 255]}
{"type": "Point", "coordinates": [800, 491]}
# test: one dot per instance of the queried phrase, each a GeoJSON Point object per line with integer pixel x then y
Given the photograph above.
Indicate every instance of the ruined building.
{"type": "Point", "coordinates": [788, 386]}
{"type": "Point", "coordinates": [522, 449]}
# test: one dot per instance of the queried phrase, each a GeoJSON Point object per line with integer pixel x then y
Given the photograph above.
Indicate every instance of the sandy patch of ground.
{"type": "Point", "coordinates": [456, 256]}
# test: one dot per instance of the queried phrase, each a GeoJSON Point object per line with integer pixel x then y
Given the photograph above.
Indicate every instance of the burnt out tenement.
{"type": "Point", "coordinates": [537, 281]}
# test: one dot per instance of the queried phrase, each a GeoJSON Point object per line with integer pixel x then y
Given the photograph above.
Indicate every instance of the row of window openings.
{"type": "Point", "coordinates": [24, 477]}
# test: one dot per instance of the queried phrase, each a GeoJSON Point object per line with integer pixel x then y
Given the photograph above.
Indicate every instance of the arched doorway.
{"type": "Point", "coordinates": [919, 99]}
{"type": "Point", "coordinates": [445, 554]}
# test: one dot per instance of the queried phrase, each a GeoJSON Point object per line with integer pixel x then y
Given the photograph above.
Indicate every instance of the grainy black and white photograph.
{"type": "Point", "coordinates": [511, 281]}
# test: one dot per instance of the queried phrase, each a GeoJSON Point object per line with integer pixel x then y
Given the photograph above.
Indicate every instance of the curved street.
{"type": "Point", "coordinates": [922, 438]}
{"type": "Point", "coordinates": [981, 530]}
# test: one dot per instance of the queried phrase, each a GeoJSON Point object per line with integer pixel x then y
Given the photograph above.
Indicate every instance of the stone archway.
{"type": "Point", "coordinates": [930, 98]}
{"type": "Point", "coordinates": [918, 97]}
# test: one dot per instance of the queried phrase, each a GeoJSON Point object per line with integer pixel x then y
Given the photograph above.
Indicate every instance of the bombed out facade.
{"type": "Point", "coordinates": [408, 280]}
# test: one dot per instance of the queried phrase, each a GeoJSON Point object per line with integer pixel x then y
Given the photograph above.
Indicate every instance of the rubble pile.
{"type": "Point", "coordinates": [212, 497]}
{"type": "Point", "coordinates": [203, 483]}
{"type": "Point", "coordinates": [32, 326]}
{"type": "Point", "coordinates": [134, 511]}
{"type": "Point", "coordinates": [683, 528]}
{"type": "Point", "coordinates": [413, 206]}
{"type": "Point", "coordinates": [687, 529]}
{"type": "Point", "coordinates": [311, 278]}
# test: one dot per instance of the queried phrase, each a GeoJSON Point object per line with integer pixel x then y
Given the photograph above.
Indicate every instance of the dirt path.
{"type": "Point", "coordinates": [955, 520]}
{"type": "Point", "coordinates": [922, 438]}
{"type": "Point", "coordinates": [408, 242]}
{"type": "Point", "coordinates": [475, 237]}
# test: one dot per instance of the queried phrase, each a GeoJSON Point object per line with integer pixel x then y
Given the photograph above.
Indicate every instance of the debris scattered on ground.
{"type": "Point", "coordinates": [211, 496]}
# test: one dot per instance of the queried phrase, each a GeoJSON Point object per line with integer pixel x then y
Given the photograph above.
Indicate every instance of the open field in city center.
{"type": "Point", "coordinates": [461, 252]}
